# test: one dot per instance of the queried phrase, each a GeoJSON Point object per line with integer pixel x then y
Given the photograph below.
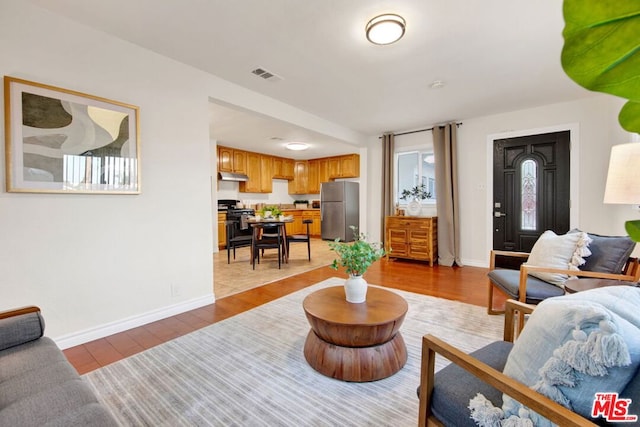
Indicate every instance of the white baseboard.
{"type": "Point", "coordinates": [475, 263]}
{"type": "Point", "coordinates": [81, 337]}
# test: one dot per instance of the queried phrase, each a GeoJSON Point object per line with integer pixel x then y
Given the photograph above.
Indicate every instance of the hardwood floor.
{"type": "Point", "coordinates": [467, 284]}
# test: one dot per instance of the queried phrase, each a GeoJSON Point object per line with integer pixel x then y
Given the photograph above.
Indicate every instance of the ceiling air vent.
{"type": "Point", "coordinates": [266, 74]}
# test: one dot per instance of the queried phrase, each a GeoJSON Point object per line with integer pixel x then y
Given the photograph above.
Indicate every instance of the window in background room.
{"type": "Point", "coordinates": [415, 168]}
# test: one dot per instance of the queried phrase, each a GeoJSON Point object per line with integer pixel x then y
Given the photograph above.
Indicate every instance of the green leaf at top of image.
{"type": "Point", "coordinates": [633, 229]}
{"type": "Point", "coordinates": [601, 49]}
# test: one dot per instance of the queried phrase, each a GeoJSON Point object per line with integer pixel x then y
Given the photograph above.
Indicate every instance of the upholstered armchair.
{"type": "Point", "coordinates": [514, 380]}
{"type": "Point", "coordinates": [540, 278]}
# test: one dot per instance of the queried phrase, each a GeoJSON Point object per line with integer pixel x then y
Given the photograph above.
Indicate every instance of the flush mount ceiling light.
{"type": "Point", "coordinates": [296, 146]}
{"type": "Point", "coordinates": [385, 29]}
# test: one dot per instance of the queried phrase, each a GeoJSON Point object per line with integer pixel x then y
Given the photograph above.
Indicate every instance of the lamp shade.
{"type": "Point", "coordinates": [623, 179]}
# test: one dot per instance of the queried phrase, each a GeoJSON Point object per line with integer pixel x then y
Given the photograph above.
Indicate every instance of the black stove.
{"type": "Point", "coordinates": [226, 204]}
{"type": "Point", "coordinates": [239, 216]}
{"type": "Point", "coordinates": [240, 211]}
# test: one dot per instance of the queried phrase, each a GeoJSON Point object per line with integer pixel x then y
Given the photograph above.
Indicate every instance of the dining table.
{"type": "Point", "coordinates": [258, 226]}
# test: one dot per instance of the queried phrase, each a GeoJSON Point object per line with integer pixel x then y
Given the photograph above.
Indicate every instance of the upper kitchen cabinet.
{"type": "Point", "coordinates": [300, 182]}
{"type": "Point", "coordinates": [347, 166]}
{"type": "Point", "coordinates": [260, 173]}
{"type": "Point", "coordinates": [283, 168]}
{"type": "Point", "coordinates": [231, 160]}
{"type": "Point", "coordinates": [266, 174]}
{"type": "Point", "coordinates": [309, 174]}
{"type": "Point", "coordinates": [313, 177]}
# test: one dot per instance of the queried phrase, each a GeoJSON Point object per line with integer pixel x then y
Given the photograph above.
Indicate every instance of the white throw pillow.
{"type": "Point", "coordinates": [564, 251]}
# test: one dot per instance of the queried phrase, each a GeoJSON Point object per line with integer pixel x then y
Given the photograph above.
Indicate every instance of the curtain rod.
{"type": "Point", "coordinates": [419, 130]}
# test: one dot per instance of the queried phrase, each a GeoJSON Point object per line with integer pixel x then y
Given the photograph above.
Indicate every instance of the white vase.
{"type": "Point", "coordinates": [414, 207]}
{"type": "Point", "coordinates": [355, 287]}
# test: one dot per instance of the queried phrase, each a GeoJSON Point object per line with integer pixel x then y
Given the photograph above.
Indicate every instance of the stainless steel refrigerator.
{"type": "Point", "coordinates": [339, 209]}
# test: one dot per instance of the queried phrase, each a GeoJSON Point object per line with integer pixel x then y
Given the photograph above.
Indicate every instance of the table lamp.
{"type": "Point", "coordinates": [623, 180]}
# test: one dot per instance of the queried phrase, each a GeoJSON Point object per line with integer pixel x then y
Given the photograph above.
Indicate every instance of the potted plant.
{"type": "Point", "coordinates": [356, 257]}
{"type": "Point", "coordinates": [417, 192]}
{"type": "Point", "coordinates": [271, 211]}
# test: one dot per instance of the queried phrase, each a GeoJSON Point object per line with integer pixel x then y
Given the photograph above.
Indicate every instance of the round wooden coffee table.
{"type": "Point", "coordinates": [355, 342]}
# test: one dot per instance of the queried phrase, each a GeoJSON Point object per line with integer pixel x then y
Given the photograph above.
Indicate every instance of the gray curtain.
{"type": "Point", "coordinates": [388, 207]}
{"type": "Point", "coordinates": [446, 157]}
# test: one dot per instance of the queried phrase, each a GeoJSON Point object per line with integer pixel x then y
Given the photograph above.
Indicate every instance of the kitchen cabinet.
{"type": "Point", "coordinates": [298, 227]}
{"type": "Point", "coordinates": [231, 160]}
{"type": "Point", "coordinates": [266, 174]}
{"type": "Point", "coordinates": [323, 172]}
{"type": "Point", "coordinates": [222, 230]}
{"type": "Point", "coordinates": [412, 238]}
{"type": "Point", "coordinates": [333, 167]}
{"type": "Point", "coordinates": [283, 168]}
{"type": "Point", "coordinates": [314, 227]}
{"type": "Point", "coordinates": [294, 227]}
{"type": "Point", "coordinates": [309, 174]}
{"type": "Point", "coordinates": [347, 166]}
{"type": "Point", "coordinates": [299, 184]}
{"type": "Point", "coordinates": [313, 180]}
{"type": "Point", "coordinates": [239, 161]}
{"type": "Point", "coordinates": [350, 166]}
{"type": "Point", "coordinates": [259, 172]}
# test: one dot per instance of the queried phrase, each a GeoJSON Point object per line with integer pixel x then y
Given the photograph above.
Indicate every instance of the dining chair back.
{"type": "Point", "coordinates": [234, 239]}
{"type": "Point", "coordinates": [267, 237]}
{"type": "Point", "coordinates": [301, 238]}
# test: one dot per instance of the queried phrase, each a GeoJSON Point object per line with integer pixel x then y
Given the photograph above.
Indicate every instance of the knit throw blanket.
{"type": "Point", "coordinates": [571, 348]}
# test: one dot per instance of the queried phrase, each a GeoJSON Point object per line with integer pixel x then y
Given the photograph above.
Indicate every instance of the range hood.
{"type": "Point", "coordinates": [230, 176]}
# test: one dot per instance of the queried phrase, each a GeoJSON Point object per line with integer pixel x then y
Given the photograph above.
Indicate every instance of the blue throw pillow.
{"type": "Point", "coordinates": [609, 254]}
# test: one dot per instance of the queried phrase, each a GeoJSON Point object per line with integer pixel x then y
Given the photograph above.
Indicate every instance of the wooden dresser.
{"type": "Point", "coordinates": [412, 238]}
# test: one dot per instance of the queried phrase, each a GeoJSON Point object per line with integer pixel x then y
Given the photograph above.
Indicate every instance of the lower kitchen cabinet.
{"type": "Point", "coordinates": [314, 227]}
{"type": "Point", "coordinates": [412, 238]}
{"type": "Point", "coordinates": [222, 230]}
{"type": "Point", "coordinates": [298, 227]}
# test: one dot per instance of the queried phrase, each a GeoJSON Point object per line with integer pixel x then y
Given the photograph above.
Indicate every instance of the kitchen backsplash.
{"type": "Point", "coordinates": [279, 195]}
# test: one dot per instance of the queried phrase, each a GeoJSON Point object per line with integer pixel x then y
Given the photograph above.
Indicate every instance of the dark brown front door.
{"type": "Point", "coordinates": [531, 182]}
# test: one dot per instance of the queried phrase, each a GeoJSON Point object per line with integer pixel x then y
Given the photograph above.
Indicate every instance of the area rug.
{"type": "Point", "coordinates": [249, 370]}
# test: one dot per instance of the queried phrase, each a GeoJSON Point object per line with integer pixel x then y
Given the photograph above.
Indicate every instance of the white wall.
{"type": "Point", "coordinates": [98, 264]}
{"type": "Point", "coordinates": [91, 260]}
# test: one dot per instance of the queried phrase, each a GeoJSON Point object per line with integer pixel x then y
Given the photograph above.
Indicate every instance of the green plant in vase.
{"type": "Point", "coordinates": [356, 257]}
{"type": "Point", "coordinates": [417, 192]}
{"type": "Point", "coordinates": [273, 211]}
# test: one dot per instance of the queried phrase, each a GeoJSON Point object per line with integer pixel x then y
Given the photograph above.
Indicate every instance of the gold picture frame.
{"type": "Point", "coordinates": [63, 141]}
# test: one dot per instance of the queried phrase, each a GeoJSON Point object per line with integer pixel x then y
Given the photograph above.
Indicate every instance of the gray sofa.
{"type": "Point", "coordinates": [38, 386]}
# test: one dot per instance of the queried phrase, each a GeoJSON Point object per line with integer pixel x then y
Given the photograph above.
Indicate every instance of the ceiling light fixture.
{"type": "Point", "coordinates": [385, 29]}
{"type": "Point", "coordinates": [296, 146]}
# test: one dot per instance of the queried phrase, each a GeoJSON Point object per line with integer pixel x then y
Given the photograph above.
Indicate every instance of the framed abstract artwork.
{"type": "Point", "coordinates": [62, 141]}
